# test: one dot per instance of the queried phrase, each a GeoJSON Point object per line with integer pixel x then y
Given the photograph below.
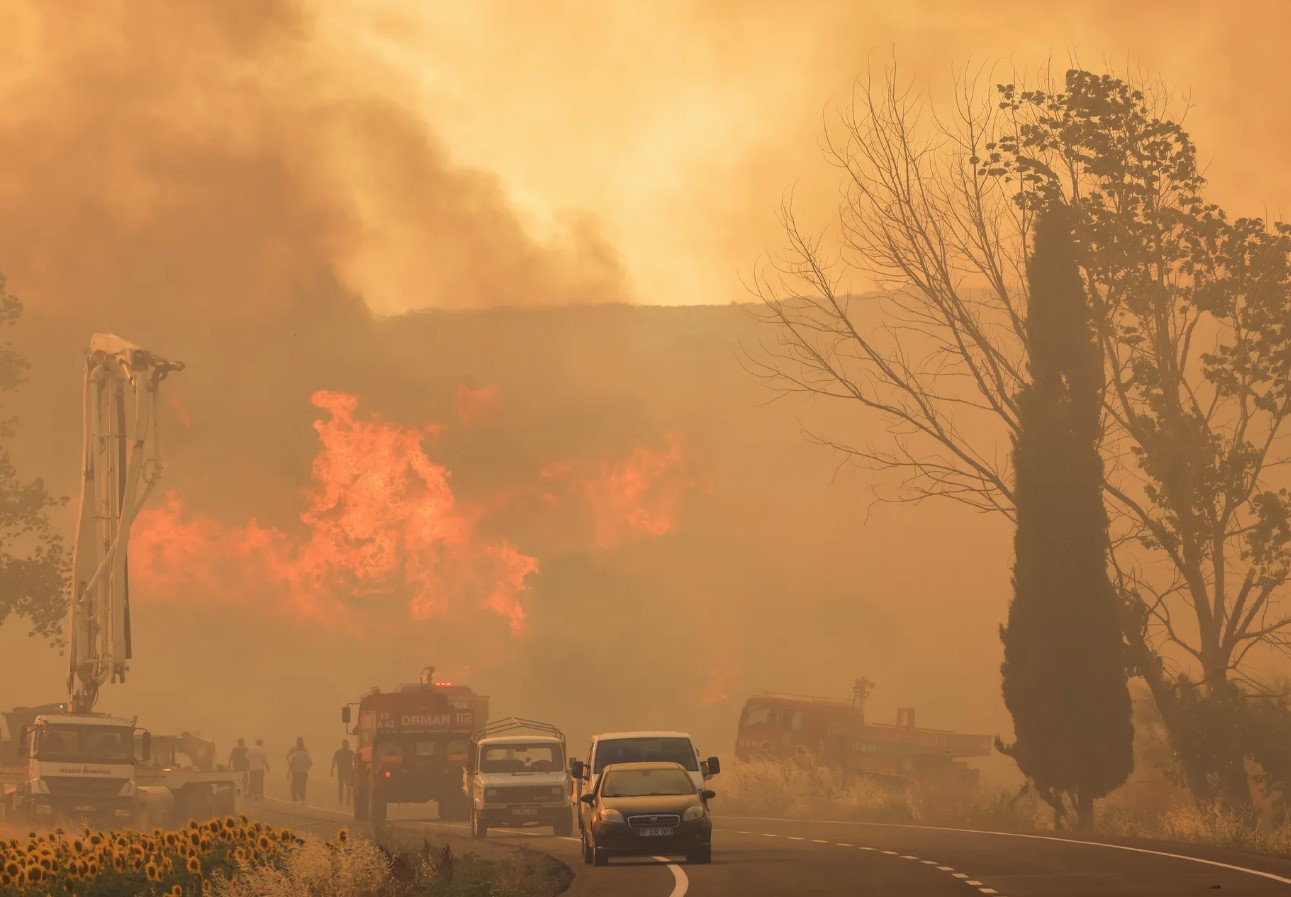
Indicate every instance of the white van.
{"type": "Point", "coordinates": [639, 747]}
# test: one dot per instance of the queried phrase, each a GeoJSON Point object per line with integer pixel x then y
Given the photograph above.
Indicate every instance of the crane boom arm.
{"type": "Point", "coordinates": [121, 463]}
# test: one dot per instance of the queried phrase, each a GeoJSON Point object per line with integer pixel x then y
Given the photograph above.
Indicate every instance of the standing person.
{"type": "Point", "coordinates": [343, 770]}
{"type": "Point", "coordinates": [257, 766]}
{"type": "Point", "coordinates": [238, 763]}
{"type": "Point", "coordinates": [298, 763]}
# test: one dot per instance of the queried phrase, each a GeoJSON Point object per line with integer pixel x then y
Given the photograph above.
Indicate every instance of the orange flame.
{"type": "Point", "coordinates": [635, 498]}
{"type": "Point", "coordinates": [476, 405]}
{"type": "Point", "coordinates": [382, 520]}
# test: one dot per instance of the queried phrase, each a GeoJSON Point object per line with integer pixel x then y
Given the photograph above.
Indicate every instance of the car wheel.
{"type": "Point", "coordinates": [701, 855]}
{"type": "Point", "coordinates": [600, 856]}
{"type": "Point", "coordinates": [563, 828]}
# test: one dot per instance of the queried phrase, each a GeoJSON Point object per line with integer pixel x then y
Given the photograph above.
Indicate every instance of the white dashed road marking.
{"type": "Point", "coordinates": [962, 876]}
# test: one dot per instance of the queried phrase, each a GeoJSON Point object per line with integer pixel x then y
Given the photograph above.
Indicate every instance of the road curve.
{"type": "Point", "coordinates": [754, 857]}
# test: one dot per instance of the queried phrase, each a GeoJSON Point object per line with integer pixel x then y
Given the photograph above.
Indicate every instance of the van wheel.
{"type": "Point", "coordinates": [564, 827]}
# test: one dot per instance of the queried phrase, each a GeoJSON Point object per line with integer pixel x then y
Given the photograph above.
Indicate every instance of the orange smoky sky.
{"type": "Point", "coordinates": [502, 153]}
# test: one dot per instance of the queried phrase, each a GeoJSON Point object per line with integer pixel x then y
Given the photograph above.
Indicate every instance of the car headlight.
{"type": "Point", "coordinates": [693, 814]}
{"type": "Point", "coordinates": [490, 794]}
{"type": "Point", "coordinates": [557, 791]}
{"type": "Point", "coordinates": [608, 815]}
{"type": "Point", "coordinates": [127, 789]}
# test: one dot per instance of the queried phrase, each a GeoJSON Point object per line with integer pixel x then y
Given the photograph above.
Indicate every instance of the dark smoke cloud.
{"type": "Point", "coordinates": [186, 159]}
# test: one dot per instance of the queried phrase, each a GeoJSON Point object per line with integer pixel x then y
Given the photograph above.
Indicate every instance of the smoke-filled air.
{"type": "Point", "coordinates": [868, 414]}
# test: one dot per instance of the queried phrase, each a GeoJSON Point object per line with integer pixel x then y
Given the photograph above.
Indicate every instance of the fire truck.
{"type": "Point", "coordinates": [837, 733]}
{"type": "Point", "coordinates": [413, 746]}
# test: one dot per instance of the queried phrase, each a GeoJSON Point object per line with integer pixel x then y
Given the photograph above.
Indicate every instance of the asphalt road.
{"type": "Point", "coordinates": [757, 857]}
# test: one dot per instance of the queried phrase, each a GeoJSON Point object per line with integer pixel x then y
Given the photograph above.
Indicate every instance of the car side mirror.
{"type": "Point", "coordinates": [345, 715]}
{"type": "Point", "coordinates": [714, 765]}
{"type": "Point", "coordinates": [588, 799]}
{"type": "Point", "coordinates": [146, 747]}
{"type": "Point", "coordinates": [577, 769]}
{"type": "Point", "coordinates": [707, 795]}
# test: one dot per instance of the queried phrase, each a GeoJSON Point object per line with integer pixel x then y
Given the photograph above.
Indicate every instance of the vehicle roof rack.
{"type": "Point", "coordinates": [515, 723]}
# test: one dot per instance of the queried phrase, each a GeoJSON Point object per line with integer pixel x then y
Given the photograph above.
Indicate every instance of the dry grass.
{"type": "Point", "coordinates": [314, 868]}
{"type": "Point", "coordinates": [810, 790]}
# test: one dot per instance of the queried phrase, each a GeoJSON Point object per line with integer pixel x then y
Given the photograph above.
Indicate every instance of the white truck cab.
{"type": "Point", "coordinates": [639, 747]}
{"type": "Point", "coordinates": [77, 766]}
{"type": "Point", "coordinates": [515, 776]}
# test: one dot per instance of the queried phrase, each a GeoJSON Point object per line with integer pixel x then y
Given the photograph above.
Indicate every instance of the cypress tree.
{"type": "Point", "coordinates": [1064, 679]}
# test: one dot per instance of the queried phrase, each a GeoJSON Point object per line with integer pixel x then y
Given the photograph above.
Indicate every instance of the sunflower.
{"type": "Point", "coordinates": [152, 872]}
{"type": "Point", "coordinates": [176, 891]}
{"type": "Point", "coordinates": [194, 865]}
{"type": "Point", "coordinates": [35, 874]}
{"type": "Point", "coordinates": [342, 836]}
{"type": "Point", "coordinates": [12, 869]}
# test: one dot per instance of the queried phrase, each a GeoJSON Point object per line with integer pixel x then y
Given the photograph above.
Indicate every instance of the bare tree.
{"type": "Point", "coordinates": [1194, 320]}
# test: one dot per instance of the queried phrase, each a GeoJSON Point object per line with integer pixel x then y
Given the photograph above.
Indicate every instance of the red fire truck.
{"type": "Point", "coordinates": [413, 744]}
{"type": "Point", "coordinates": [837, 734]}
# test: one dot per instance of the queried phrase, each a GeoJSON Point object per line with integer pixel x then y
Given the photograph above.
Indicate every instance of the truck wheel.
{"type": "Point", "coordinates": [564, 827]}
{"type": "Point", "coordinates": [199, 805]}
{"type": "Point", "coordinates": [360, 805]}
{"type": "Point", "coordinates": [378, 807]}
{"type": "Point", "coordinates": [479, 828]}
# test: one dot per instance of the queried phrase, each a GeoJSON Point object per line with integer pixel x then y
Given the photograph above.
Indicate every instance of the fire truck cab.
{"type": "Point", "coordinates": [837, 733]}
{"type": "Point", "coordinates": [412, 746]}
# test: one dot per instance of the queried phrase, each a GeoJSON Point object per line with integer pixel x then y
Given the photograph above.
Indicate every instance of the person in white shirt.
{"type": "Point", "coordinates": [257, 765]}
{"type": "Point", "coordinates": [298, 763]}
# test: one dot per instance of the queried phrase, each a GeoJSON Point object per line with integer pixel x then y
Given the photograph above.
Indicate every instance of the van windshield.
{"type": "Point", "coordinates": [646, 750]}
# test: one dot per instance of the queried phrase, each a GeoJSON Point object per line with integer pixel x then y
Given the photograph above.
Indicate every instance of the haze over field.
{"type": "Point", "coordinates": [371, 220]}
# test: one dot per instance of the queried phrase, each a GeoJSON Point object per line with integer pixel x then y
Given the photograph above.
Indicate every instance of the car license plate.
{"type": "Point", "coordinates": [525, 811]}
{"type": "Point", "coordinates": [655, 832]}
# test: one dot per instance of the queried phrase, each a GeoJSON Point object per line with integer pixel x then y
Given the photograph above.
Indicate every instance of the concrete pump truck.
{"type": "Point", "coordinates": [74, 763]}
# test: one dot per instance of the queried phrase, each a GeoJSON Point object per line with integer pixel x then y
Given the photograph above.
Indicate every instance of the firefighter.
{"type": "Point", "coordinates": [343, 770]}
{"type": "Point", "coordinates": [238, 763]}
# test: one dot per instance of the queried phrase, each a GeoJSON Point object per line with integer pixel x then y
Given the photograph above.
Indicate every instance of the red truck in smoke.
{"type": "Point", "coordinates": [413, 745]}
{"type": "Point", "coordinates": [836, 733]}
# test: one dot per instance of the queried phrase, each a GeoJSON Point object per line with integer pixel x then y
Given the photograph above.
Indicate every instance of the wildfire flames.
{"type": "Point", "coordinates": [382, 522]}
{"type": "Point", "coordinates": [631, 499]}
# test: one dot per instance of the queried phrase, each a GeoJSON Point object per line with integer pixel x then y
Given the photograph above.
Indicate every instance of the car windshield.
{"type": "Point", "coordinates": [646, 750]}
{"type": "Point", "coordinates": [646, 782]}
{"type": "Point", "coordinates": [536, 757]}
{"type": "Point", "coordinates": [85, 744]}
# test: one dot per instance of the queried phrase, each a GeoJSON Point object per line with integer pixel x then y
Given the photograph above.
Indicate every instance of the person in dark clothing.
{"type": "Point", "coordinates": [238, 763]}
{"type": "Point", "coordinates": [343, 770]}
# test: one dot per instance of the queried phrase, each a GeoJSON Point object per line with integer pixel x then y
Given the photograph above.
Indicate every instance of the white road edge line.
{"type": "Point", "coordinates": [683, 883]}
{"type": "Point", "coordinates": [972, 831]}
